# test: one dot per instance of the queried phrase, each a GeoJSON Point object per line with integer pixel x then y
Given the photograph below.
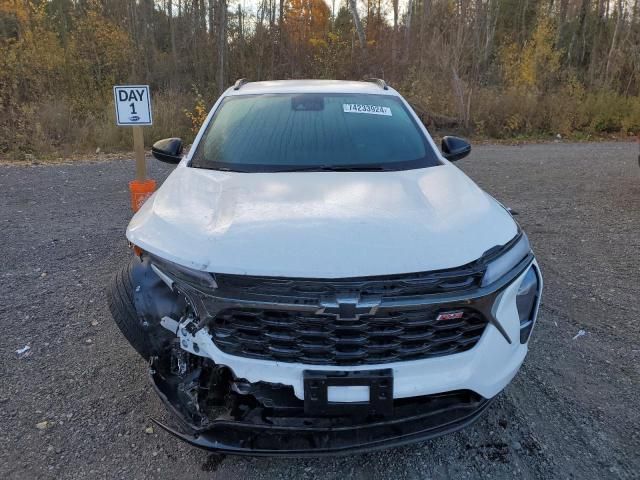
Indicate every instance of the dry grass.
{"type": "Point", "coordinates": [54, 129]}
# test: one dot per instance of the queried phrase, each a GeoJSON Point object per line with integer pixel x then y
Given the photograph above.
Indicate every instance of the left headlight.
{"type": "Point", "coordinates": [171, 272]}
{"type": "Point", "coordinates": [527, 302]}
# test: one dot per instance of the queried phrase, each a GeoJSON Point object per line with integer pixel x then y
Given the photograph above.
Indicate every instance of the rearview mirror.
{"type": "Point", "coordinates": [168, 150]}
{"type": "Point", "coordinates": [455, 148]}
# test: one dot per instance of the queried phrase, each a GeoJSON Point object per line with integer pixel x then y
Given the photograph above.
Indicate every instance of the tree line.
{"type": "Point", "coordinates": [497, 68]}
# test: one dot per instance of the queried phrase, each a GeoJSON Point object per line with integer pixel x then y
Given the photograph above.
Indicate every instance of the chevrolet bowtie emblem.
{"type": "Point", "coordinates": [348, 307]}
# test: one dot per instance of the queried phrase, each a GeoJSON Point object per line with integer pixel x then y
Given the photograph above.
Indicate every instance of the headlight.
{"type": "Point", "coordinates": [171, 273]}
{"type": "Point", "coordinates": [526, 302]}
{"type": "Point", "coordinates": [507, 261]}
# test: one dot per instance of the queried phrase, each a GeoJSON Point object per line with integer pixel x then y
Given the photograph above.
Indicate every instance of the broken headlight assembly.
{"type": "Point", "coordinates": [172, 273]}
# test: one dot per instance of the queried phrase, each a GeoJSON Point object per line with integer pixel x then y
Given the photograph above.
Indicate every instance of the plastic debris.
{"type": "Point", "coordinates": [23, 350]}
{"type": "Point", "coordinates": [580, 334]}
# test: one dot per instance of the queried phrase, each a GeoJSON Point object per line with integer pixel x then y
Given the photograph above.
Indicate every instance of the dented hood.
{"type": "Point", "coordinates": [320, 224]}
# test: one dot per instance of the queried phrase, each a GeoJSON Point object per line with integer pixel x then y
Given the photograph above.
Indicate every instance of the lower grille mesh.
{"type": "Point", "coordinates": [288, 336]}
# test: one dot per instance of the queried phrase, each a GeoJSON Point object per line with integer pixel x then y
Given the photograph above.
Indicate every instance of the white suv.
{"type": "Point", "coordinates": [316, 278]}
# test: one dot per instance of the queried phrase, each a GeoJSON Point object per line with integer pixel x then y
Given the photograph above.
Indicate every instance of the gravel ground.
{"type": "Point", "coordinates": [78, 403]}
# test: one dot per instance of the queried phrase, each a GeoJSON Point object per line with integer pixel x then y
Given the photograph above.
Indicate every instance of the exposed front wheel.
{"type": "Point", "coordinates": [123, 309]}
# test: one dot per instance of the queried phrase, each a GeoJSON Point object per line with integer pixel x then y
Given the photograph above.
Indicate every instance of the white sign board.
{"type": "Point", "coordinates": [133, 104]}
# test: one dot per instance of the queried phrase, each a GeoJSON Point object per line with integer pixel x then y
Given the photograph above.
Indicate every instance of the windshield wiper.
{"type": "Point", "coordinates": [337, 168]}
{"type": "Point", "coordinates": [227, 169]}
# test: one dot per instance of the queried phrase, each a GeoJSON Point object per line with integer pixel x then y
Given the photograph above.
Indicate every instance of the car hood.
{"type": "Point", "coordinates": [320, 224]}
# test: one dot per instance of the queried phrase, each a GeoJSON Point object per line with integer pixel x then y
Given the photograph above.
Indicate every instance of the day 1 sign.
{"type": "Point", "coordinates": [133, 105]}
{"type": "Point", "coordinates": [133, 109]}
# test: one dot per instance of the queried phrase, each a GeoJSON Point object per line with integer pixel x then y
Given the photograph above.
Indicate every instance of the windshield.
{"type": "Point", "coordinates": [306, 132]}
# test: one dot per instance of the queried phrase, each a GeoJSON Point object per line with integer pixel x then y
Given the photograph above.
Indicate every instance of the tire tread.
{"type": "Point", "coordinates": [123, 310]}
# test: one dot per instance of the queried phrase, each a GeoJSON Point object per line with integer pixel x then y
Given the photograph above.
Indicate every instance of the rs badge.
{"type": "Point", "coordinates": [450, 315]}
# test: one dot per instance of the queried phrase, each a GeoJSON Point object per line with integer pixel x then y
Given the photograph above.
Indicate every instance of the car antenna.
{"type": "Point", "coordinates": [381, 83]}
{"type": "Point", "coordinates": [239, 83]}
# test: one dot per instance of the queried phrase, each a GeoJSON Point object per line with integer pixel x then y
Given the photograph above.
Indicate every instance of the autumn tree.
{"type": "Point", "coordinates": [491, 67]}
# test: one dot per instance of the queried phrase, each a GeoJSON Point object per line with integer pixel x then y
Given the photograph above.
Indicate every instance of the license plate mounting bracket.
{"type": "Point", "coordinates": [317, 383]}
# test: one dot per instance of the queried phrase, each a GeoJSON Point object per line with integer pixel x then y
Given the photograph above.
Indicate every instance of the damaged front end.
{"type": "Point", "coordinates": [210, 342]}
{"type": "Point", "coordinates": [221, 413]}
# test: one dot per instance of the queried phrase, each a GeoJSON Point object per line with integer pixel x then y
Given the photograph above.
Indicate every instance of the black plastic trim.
{"type": "Point", "coordinates": [317, 383]}
{"type": "Point", "coordinates": [238, 438]}
{"type": "Point", "coordinates": [481, 299]}
{"type": "Point", "coordinates": [378, 81]}
{"type": "Point", "coordinates": [239, 83]}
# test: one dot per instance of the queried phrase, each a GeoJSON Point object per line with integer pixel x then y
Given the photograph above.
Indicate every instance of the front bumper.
{"type": "Point", "coordinates": [289, 432]}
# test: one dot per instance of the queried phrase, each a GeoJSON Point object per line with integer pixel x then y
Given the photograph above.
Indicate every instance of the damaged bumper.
{"type": "Point", "coordinates": [246, 426]}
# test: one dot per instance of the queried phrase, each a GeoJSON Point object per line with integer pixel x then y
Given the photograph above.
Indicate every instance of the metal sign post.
{"type": "Point", "coordinates": [133, 108]}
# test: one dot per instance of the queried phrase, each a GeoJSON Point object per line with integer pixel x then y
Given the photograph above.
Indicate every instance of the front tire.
{"type": "Point", "coordinates": [123, 309]}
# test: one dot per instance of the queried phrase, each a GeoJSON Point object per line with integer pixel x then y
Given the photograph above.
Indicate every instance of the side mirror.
{"type": "Point", "coordinates": [168, 150]}
{"type": "Point", "coordinates": [455, 148]}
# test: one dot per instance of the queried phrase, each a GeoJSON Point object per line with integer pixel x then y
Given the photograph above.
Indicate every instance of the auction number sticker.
{"type": "Point", "coordinates": [370, 109]}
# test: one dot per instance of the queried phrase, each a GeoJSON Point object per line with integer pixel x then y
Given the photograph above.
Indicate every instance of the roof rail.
{"type": "Point", "coordinates": [378, 81]}
{"type": "Point", "coordinates": [239, 83]}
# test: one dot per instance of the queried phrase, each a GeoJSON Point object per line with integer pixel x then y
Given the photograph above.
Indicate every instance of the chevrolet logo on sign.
{"type": "Point", "coordinates": [348, 307]}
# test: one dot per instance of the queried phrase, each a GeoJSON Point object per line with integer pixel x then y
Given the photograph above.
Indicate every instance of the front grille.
{"type": "Point", "coordinates": [443, 281]}
{"type": "Point", "coordinates": [389, 336]}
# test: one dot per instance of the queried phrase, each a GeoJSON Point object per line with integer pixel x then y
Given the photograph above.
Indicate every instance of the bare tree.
{"type": "Point", "coordinates": [407, 33]}
{"type": "Point", "coordinates": [616, 31]}
{"type": "Point", "coordinates": [394, 40]}
{"type": "Point", "coordinates": [353, 8]}
{"type": "Point", "coordinates": [222, 43]}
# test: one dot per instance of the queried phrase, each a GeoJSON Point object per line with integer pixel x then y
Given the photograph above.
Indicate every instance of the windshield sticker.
{"type": "Point", "coordinates": [370, 109]}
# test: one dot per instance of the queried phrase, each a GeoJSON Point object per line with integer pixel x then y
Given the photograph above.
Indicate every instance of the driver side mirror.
{"type": "Point", "coordinates": [455, 148]}
{"type": "Point", "coordinates": [168, 150]}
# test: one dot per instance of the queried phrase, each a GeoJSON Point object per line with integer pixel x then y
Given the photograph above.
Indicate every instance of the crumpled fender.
{"type": "Point", "coordinates": [153, 299]}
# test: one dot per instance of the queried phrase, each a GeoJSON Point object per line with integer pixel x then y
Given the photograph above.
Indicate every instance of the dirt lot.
{"type": "Point", "coordinates": [77, 404]}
